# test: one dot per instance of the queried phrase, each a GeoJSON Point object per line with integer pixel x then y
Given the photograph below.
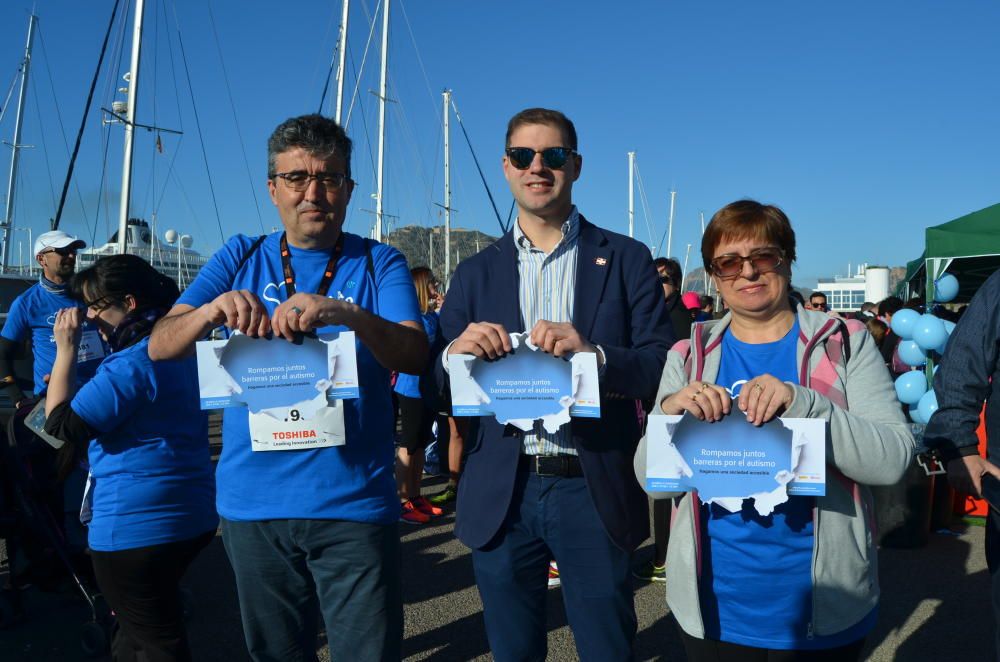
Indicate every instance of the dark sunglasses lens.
{"type": "Point", "coordinates": [766, 261]}
{"type": "Point", "coordinates": [727, 265]}
{"type": "Point", "coordinates": [555, 157]}
{"type": "Point", "coordinates": [520, 157]}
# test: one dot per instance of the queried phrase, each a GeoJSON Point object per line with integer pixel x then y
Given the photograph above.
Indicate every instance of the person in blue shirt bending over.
{"type": "Point", "coordinates": [314, 528]}
{"type": "Point", "coordinates": [152, 494]}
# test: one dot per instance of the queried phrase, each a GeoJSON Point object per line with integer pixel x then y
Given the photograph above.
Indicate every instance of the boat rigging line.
{"type": "Point", "coordinates": [62, 130]}
{"type": "Point", "coordinates": [475, 160]}
{"type": "Point", "coordinates": [236, 121]}
{"type": "Point", "coordinates": [364, 58]}
{"type": "Point", "coordinates": [83, 121]}
{"type": "Point", "coordinates": [201, 137]}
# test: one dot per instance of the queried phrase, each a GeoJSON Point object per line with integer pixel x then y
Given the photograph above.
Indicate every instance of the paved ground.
{"type": "Point", "coordinates": [935, 607]}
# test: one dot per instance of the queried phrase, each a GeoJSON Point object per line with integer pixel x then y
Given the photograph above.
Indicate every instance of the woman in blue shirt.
{"type": "Point", "coordinates": [416, 417]}
{"type": "Point", "coordinates": [799, 582]}
{"type": "Point", "coordinates": [152, 493]}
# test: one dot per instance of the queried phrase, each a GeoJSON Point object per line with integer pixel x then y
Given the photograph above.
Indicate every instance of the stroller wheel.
{"type": "Point", "coordinates": [94, 640]}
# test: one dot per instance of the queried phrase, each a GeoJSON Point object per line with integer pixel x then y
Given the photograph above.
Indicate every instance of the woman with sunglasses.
{"type": "Point", "coordinates": [800, 583]}
{"type": "Point", "coordinates": [152, 495]}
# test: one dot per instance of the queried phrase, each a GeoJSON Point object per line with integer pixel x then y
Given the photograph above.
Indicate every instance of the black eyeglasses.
{"type": "Point", "coordinates": [299, 180]}
{"type": "Point", "coordinates": [62, 252]}
{"type": "Point", "coordinates": [100, 304]}
{"type": "Point", "coordinates": [762, 261]}
{"type": "Point", "coordinates": [552, 157]}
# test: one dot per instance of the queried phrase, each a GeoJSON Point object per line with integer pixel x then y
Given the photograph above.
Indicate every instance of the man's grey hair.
{"type": "Point", "coordinates": [319, 136]}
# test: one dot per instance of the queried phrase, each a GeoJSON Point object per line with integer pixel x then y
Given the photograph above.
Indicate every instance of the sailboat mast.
{"type": "Point", "coordinates": [670, 222]}
{"type": "Point", "coordinates": [342, 57]}
{"type": "Point", "coordinates": [8, 230]}
{"type": "Point", "coordinates": [133, 91]}
{"type": "Point", "coordinates": [447, 187]}
{"type": "Point", "coordinates": [631, 194]}
{"type": "Point", "coordinates": [382, 92]}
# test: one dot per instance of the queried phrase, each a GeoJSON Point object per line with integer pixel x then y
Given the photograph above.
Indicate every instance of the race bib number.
{"type": "Point", "coordinates": [90, 347]}
{"type": "Point", "coordinates": [285, 429]}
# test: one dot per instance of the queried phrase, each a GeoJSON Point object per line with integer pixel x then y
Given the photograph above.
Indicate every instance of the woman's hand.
{"type": "Point", "coordinates": [704, 401]}
{"type": "Point", "coordinates": [66, 330]}
{"type": "Point", "coordinates": [764, 397]}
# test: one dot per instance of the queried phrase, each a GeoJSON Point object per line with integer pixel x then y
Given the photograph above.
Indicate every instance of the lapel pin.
{"type": "Point", "coordinates": [600, 261]}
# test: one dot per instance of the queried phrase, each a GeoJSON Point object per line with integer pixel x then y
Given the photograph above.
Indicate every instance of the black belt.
{"type": "Point", "coordinates": [551, 465]}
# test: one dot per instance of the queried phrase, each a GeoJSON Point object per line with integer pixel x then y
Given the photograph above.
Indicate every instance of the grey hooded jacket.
{"type": "Point", "coordinates": [868, 443]}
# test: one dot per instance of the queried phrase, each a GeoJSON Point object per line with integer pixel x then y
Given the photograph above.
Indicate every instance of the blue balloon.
{"type": "Point", "coordinates": [949, 326]}
{"type": "Point", "coordinates": [910, 352]}
{"type": "Point", "coordinates": [928, 405]}
{"type": "Point", "coordinates": [911, 386]}
{"type": "Point", "coordinates": [945, 288]}
{"type": "Point", "coordinates": [915, 415]}
{"type": "Point", "coordinates": [929, 332]}
{"type": "Point", "coordinates": [903, 322]}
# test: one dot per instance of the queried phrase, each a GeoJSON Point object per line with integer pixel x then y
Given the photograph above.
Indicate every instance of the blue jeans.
{"type": "Point", "coordinates": [555, 518]}
{"type": "Point", "coordinates": [286, 568]}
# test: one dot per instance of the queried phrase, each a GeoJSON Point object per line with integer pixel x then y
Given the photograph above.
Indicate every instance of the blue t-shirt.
{"type": "Point", "coordinates": [352, 482]}
{"type": "Point", "coordinates": [34, 313]}
{"type": "Point", "coordinates": [756, 587]}
{"type": "Point", "coordinates": [153, 481]}
{"type": "Point", "coordinates": [409, 385]}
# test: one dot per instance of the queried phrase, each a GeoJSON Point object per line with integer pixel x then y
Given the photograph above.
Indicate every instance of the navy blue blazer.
{"type": "Point", "coordinates": [619, 306]}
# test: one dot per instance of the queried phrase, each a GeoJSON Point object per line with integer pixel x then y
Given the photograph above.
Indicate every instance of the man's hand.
{"type": "Point", "coordinates": [304, 312]}
{"type": "Point", "coordinates": [241, 311]}
{"type": "Point", "coordinates": [484, 340]}
{"type": "Point", "coordinates": [66, 330]}
{"type": "Point", "coordinates": [559, 339]}
{"type": "Point", "coordinates": [966, 474]}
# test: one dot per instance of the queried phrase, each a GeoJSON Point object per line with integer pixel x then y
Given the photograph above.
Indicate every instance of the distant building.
{"type": "Point", "coordinates": [846, 294]}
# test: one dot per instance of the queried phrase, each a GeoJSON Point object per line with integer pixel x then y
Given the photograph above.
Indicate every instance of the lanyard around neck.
{"type": "Point", "coordinates": [328, 273]}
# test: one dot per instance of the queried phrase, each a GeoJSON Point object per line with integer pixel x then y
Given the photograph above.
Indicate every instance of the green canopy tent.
{"type": "Point", "coordinates": [967, 247]}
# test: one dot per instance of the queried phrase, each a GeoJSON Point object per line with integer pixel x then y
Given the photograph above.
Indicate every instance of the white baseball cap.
{"type": "Point", "coordinates": [57, 239]}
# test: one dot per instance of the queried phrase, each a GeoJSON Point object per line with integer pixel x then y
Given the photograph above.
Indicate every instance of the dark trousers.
{"type": "Point", "coordinates": [142, 586]}
{"type": "Point", "coordinates": [993, 563]}
{"type": "Point", "coordinates": [288, 570]}
{"type": "Point", "coordinates": [553, 517]}
{"type": "Point", "coordinates": [709, 650]}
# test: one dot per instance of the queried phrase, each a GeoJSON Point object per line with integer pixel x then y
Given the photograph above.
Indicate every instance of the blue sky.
{"type": "Point", "coordinates": [866, 122]}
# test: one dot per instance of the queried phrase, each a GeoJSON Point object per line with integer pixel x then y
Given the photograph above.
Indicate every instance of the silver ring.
{"type": "Point", "coordinates": [296, 310]}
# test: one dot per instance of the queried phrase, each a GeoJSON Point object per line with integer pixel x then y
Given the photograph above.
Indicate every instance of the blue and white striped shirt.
{"type": "Point", "coordinates": [546, 292]}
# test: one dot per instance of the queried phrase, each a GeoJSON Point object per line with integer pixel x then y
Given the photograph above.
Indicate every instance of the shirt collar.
{"type": "Point", "coordinates": [570, 231]}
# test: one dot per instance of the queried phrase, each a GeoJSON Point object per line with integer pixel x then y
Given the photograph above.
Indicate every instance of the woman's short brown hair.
{"type": "Point", "coordinates": [748, 219]}
{"type": "Point", "coordinates": [423, 281]}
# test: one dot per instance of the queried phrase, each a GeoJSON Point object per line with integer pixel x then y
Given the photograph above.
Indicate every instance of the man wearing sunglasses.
{"type": "Point", "coordinates": [526, 498]}
{"type": "Point", "coordinates": [32, 315]}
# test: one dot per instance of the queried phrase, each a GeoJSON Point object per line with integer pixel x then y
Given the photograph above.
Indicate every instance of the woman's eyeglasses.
{"type": "Point", "coordinates": [762, 261]}
{"type": "Point", "coordinates": [552, 157]}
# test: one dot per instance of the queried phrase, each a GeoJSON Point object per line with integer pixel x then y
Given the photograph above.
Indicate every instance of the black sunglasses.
{"type": "Point", "coordinates": [552, 157]}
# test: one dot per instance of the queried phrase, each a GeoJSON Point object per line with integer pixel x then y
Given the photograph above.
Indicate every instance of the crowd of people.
{"type": "Point", "coordinates": [313, 532]}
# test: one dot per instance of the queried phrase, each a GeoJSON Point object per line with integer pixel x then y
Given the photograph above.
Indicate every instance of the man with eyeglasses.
{"type": "Point", "coordinates": [526, 498]}
{"type": "Point", "coordinates": [32, 315]}
{"type": "Point", "coordinates": [312, 529]}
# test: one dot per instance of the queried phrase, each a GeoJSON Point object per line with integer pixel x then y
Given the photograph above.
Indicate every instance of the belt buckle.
{"type": "Point", "coordinates": [551, 465]}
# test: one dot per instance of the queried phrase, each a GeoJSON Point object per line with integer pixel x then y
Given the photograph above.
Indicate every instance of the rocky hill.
{"type": "Point", "coordinates": [417, 242]}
